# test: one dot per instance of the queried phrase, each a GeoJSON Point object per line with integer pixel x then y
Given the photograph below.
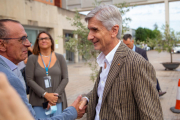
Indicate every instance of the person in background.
{"type": "Point", "coordinates": [47, 76]}
{"type": "Point", "coordinates": [127, 39]}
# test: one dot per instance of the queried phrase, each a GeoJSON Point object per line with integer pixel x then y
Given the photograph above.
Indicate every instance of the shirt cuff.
{"type": "Point", "coordinates": [86, 99]}
{"type": "Point", "coordinates": [44, 94]}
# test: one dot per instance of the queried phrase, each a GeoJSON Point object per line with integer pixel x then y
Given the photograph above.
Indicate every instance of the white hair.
{"type": "Point", "coordinates": [109, 15]}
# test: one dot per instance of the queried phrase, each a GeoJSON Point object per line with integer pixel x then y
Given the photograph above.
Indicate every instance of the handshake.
{"type": "Point", "coordinates": [80, 104]}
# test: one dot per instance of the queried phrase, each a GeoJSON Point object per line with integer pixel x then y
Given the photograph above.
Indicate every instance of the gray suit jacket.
{"type": "Point", "coordinates": [69, 113]}
{"type": "Point", "coordinates": [130, 90]}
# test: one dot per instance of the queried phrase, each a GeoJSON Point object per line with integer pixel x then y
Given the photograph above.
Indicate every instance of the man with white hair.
{"type": "Point", "coordinates": [125, 88]}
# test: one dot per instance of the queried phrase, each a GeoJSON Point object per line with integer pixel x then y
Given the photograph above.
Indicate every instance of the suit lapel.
{"type": "Point", "coordinates": [117, 63]}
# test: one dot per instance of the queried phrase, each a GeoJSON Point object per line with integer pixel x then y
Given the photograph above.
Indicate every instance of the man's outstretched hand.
{"type": "Point", "coordinates": [76, 104]}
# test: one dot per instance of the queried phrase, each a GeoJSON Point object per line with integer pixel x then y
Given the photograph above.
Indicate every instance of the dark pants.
{"type": "Point", "coordinates": [158, 86]}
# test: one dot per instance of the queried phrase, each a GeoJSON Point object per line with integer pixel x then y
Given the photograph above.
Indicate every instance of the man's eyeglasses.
{"type": "Point", "coordinates": [46, 39]}
{"type": "Point", "coordinates": [22, 39]}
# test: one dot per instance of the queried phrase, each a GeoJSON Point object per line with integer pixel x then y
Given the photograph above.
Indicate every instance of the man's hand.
{"type": "Point", "coordinates": [49, 105]}
{"type": "Point", "coordinates": [83, 103]}
{"type": "Point", "coordinates": [76, 104]}
{"type": "Point", "coordinates": [12, 106]}
{"type": "Point", "coordinates": [82, 107]}
{"type": "Point", "coordinates": [51, 97]}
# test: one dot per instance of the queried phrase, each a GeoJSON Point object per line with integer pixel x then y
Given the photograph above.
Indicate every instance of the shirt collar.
{"type": "Point", "coordinates": [109, 57]}
{"type": "Point", "coordinates": [9, 63]}
{"type": "Point", "coordinates": [134, 48]}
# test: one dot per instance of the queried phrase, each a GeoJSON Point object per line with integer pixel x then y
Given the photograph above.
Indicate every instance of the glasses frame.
{"type": "Point", "coordinates": [23, 39]}
{"type": "Point", "coordinates": [46, 39]}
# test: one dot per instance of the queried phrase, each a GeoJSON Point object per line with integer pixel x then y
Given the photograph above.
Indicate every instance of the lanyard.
{"type": "Point", "coordinates": [46, 68]}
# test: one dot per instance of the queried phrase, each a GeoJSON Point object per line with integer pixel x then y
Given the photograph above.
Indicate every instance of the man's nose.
{"type": "Point", "coordinates": [90, 36]}
{"type": "Point", "coordinates": [27, 43]}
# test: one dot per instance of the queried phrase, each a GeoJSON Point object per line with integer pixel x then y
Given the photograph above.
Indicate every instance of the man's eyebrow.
{"type": "Point", "coordinates": [94, 28]}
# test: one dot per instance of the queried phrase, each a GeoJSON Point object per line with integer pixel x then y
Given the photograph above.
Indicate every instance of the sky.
{"type": "Point", "coordinates": [147, 15]}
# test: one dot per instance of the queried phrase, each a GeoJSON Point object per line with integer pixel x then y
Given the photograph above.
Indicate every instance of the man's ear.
{"type": "Point", "coordinates": [115, 30]}
{"type": "Point", "coordinates": [2, 46]}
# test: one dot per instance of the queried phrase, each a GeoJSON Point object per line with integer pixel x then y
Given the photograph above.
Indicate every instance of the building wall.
{"type": "Point", "coordinates": [39, 15]}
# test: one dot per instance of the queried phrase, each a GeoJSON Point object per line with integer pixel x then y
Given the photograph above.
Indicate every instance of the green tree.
{"type": "Point", "coordinates": [85, 47]}
{"type": "Point", "coordinates": [149, 33]}
{"type": "Point", "coordinates": [140, 34]}
{"type": "Point", "coordinates": [168, 41]}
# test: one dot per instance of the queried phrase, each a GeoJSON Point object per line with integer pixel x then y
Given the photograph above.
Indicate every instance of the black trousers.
{"type": "Point", "coordinates": [158, 86]}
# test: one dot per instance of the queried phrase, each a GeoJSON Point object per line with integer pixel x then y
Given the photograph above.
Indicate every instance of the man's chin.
{"type": "Point", "coordinates": [24, 57]}
{"type": "Point", "coordinates": [96, 48]}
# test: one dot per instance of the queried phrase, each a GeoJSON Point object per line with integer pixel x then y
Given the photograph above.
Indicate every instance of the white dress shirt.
{"type": "Point", "coordinates": [101, 59]}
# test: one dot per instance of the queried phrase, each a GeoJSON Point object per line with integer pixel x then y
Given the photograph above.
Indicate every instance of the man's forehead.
{"type": "Point", "coordinates": [94, 23]}
{"type": "Point", "coordinates": [14, 28]}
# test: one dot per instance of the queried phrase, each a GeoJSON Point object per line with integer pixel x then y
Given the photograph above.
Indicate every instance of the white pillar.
{"type": "Point", "coordinates": [167, 11]}
{"type": "Point", "coordinates": [76, 58]}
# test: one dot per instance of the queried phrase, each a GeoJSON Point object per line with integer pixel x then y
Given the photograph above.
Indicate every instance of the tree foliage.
{"type": "Point", "coordinates": [84, 47]}
{"type": "Point", "coordinates": [168, 41]}
{"type": "Point", "coordinates": [143, 33]}
{"type": "Point", "coordinates": [140, 34]}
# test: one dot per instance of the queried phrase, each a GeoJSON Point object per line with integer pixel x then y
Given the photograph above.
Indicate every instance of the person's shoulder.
{"type": "Point", "coordinates": [4, 69]}
{"type": "Point", "coordinates": [140, 49]}
{"type": "Point", "coordinates": [33, 57]}
{"type": "Point", "coordinates": [135, 57]}
{"type": "Point", "coordinates": [10, 75]}
{"type": "Point", "coordinates": [59, 56]}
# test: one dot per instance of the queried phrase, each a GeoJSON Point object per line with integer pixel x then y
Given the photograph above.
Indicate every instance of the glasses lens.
{"type": "Point", "coordinates": [24, 38]}
{"type": "Point", "coordinates": [46, 38]}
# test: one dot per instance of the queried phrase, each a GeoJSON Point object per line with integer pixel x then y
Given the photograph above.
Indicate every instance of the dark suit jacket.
{"type": "Point", "coordinates": [130, 90]}
{"type": "Point", "coordinates": [141, 52]}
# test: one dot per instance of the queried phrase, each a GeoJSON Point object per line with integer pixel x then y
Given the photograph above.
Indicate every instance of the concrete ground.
{"type": "Point", "coordinates": [80, 83]}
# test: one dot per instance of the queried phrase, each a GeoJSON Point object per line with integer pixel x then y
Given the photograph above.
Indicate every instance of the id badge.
{"type": "Point", "coordinates": [47, 81]}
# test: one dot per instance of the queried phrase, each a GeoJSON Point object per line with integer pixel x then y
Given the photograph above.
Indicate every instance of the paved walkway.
{"type": "Point", "coordinates": [80, 83]}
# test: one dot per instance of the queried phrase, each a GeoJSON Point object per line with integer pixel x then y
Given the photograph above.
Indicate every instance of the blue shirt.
{"type": "Point", "coordinates": [134, 48]}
